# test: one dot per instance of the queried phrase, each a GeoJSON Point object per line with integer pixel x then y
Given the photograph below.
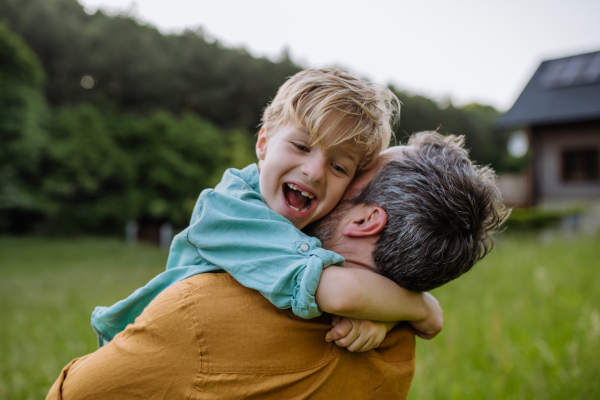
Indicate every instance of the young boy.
{"type": "Point", "coordinates": [323, 127]}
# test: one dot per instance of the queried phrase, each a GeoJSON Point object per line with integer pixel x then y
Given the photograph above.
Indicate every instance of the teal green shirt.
{"type": "Point", "coordinates": [232, 230]}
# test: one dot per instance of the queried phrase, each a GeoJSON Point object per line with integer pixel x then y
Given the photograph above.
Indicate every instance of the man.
{"type": "Point", "coordinates": [422, 217]}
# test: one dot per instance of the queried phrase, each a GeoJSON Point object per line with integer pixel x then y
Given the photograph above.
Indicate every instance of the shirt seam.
{"type": "Point", "coordinates": [274, 372]}
{"type": "Point", "coordinates": [196, 334]}
{"type": "Point", "coordinates": [301, 370]}
{"type": "Point", "coordinates": [226, 277]}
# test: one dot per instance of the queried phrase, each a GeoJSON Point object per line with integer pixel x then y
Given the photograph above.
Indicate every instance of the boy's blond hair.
{"type": "Point", "coordinates": [356, 111]}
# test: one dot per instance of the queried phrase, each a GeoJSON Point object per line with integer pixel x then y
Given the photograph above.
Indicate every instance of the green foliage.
{"type": "Point", "coordinates": [104, 168]}
{"type": "Point", "coordinates": [474, 121]}
{"type": "Point", "coordinates": [140, 69]}
{"type": "Point", "coordinates": [524, 324]}
{"type": "Point", "coordinates": [22, 114]}
{"type": "Point", "coordinates": [536, 218]}
{"type": "Point", "coordinates": [167, 114]}
{"type": "Point", "coordinates": [18, 64]}
{"type": "Point", "coordinates": [91, 167]}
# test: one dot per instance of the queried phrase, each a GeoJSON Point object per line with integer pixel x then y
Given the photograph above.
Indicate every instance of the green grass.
{"type": "Point", "coordinates": [48, 289]}
{"type": "Point", "coordinates": [524, 324]}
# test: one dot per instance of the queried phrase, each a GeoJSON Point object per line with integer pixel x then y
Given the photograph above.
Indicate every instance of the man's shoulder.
{"type": "Point", "coordinates": [219, 292]}
{"type": "Point", "coordinates": [193, 283]}
{"type": "Point", "coordinates": [242, 332]}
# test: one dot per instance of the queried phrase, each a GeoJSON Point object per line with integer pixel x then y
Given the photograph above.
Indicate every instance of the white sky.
{"type": "Point", "coordinates": [469, 50]}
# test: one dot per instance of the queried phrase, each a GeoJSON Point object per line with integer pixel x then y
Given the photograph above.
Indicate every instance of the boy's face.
{"type": "Point", "coordinates": [299, 180]}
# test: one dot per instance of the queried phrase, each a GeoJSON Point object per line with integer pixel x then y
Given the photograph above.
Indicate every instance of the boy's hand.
{"type": "Point", "coordinates": [357, 335]}
{"type": "Point", "coordinates": [432, 325]}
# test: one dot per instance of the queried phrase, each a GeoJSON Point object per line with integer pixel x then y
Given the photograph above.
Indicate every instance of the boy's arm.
{"type": "Point", "coordinates": [358, 293]}
{"type": "Point", "coordinates": [260, 249]}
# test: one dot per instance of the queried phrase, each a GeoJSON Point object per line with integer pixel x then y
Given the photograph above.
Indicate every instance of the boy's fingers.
{"type": "Point", "coordinates": [424, 335]}
{"type": "Point", "coordinates": [358, 344]}
{"type": "Point", "coordinates": [339, 331]}
{"type": "Point", "coordinates": [333, 335]}
{"type": "Point", "coordinates": [348, 339]}
{"type": "Point", "coordinates": [329, 337]}
{"type": "Point", "coordinates": [342, 328]}
{"type": "Point", "coordinates": [367, 346]}
{"type": "Point", "coordinates": [344, 342]}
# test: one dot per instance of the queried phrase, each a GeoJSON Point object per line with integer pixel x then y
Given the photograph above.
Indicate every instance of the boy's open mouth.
{"type": "Point", "coordinates": [297, 199]}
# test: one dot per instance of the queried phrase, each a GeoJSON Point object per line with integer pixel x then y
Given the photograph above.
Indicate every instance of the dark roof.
{"type": "Point", "coordinates": [562, 90]}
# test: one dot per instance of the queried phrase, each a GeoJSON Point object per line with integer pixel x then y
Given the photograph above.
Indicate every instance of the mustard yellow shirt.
{"type": "Point", "coordinates": [209, 337]}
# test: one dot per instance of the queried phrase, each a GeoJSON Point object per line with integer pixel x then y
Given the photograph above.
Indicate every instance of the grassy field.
{"type": "Point", "coordinates": [525, 324]}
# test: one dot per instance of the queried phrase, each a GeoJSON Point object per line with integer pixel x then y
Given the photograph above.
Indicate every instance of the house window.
{"type": "Point", "coordinates": [580, 165]}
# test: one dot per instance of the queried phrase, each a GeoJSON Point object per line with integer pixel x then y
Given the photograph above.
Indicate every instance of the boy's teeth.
{"type": "Point", "coordinates": [296, 209]}
{"type": "Point", "coordinates": [305, 194]}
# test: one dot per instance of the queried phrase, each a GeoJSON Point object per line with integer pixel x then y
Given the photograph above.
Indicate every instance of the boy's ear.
{"type": "Point", "coordinates": [365, 221]}
{"type": "Point", "coordinates": [261, 144]}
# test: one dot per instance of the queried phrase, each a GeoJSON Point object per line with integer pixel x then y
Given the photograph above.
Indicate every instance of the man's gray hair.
{"type": "Point", "coordinates": [441, 210]}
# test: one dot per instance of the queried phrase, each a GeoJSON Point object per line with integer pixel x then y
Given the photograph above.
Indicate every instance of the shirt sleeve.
{"type": "Point", "coordinates": [261, 249]}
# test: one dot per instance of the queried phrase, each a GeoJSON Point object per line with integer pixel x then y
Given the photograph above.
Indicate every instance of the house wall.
{"type": "Point", "coordinates": [515, 189]}
{"type": "Point", "coordinates": [548, 144]}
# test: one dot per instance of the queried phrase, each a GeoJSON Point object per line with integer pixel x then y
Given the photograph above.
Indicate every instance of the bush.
{"type": "Point", "coordinates": [101, 168]}
{"type": "Point", "coordinates": [23, 112]}
{"type": "Point", "coordinates": [105, 168]}
{"type": "Point", "coordinates": [535, 218]}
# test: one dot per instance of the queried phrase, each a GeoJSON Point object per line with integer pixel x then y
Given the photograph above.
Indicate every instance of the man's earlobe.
{"type": "Point", "coordinates": [261, 144]}
{"type": "Point", "coordinates": [369, 221]}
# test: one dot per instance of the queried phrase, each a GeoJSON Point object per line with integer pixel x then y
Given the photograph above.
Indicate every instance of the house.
{"type": "Point", "coordinates": [560, 111]}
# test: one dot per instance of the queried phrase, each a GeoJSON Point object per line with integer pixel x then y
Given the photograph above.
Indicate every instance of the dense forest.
{"type": "Point", "coordinates": [104, 119]}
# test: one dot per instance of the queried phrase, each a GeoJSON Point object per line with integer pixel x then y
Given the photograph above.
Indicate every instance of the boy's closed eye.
{"type": "Point", "coordinates": [303, 148]}
{"type": "Point", "coordinates": [339, 169]}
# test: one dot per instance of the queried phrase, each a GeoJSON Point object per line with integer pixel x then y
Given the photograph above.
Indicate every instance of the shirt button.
{"type": "Point", "coordinates": [304, 247]}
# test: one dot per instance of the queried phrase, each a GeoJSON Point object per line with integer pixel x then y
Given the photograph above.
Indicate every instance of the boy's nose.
{"type": "Point", "coordinates": [314, 169]}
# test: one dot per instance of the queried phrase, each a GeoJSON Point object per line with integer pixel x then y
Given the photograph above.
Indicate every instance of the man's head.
{"type": "Point", "coordinates": [322, 128]}
{"type": "Point", "coordinates": [439, 208]}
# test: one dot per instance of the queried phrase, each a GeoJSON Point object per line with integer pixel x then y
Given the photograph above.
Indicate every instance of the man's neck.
{"type": "Point", "coordinates": [357, 253]}
{"type": "Point", "coordinates": [358, 264]}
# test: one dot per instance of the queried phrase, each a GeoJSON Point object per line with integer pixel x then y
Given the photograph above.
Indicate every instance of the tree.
{"type": "Point", "coordinates": [22, 114]}
{"type": "Point", "coordinates": [141, 70]}
{"type": "Point", "coordinates": [487, 144]}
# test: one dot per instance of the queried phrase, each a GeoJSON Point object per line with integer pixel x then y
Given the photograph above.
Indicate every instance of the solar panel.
{"type": "Point", "coordinates": [562, 90]}
{"type": "Point", "coordinates": [552, 72]}
{"type": "Point", "coordinates": [592, 72]}
{"type": "Point", "coordinates": [577, 70]}
{"type": "Point", "coordinates": [571, 71]}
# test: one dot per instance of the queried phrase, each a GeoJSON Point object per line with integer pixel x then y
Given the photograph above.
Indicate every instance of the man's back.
{"type": "Point", "coordinates": [208, 337]}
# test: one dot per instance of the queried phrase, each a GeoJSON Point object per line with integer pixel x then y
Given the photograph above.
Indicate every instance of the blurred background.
{"type": "Point", "coordinates": [115, 115]}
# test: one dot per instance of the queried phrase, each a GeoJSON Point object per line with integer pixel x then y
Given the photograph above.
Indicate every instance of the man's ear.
{"type": "Point", "coordinates": [261, 144]}
{"type": "Point", "coordinates": [366, 221]}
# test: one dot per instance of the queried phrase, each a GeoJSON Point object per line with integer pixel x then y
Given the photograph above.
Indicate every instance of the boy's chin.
{"type": "Point", "coordinates": [302, 223]}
